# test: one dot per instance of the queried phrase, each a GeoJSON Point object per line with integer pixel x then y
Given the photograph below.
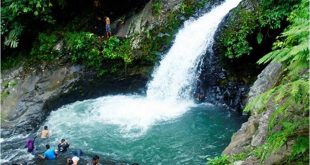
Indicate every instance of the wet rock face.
{"type": "Point", "coordinates": [219, 87]}
{"type": "Point", "coordinates": [23, 108]}
{"type": "Point", "coordinates": [225, 81]}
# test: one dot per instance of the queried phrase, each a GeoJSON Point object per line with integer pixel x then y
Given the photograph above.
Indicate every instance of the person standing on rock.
{"type": "Point", "coordinates": [45, 132]}
{"type": "Point", "coordinates": [107, 27]}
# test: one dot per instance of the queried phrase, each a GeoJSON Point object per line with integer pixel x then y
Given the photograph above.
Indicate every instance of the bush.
{"type": "Point", "coordinates": [236, 38]}
{"type": "Point", "coordinates": [44, 47]}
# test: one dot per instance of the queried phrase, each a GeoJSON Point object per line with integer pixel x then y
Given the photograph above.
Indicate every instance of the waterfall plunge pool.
{"type": "Point", "coordinates": [135, 129]}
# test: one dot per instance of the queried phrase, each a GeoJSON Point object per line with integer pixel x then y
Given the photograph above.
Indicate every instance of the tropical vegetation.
{"type": "Point", "coordinates": [289, 121]}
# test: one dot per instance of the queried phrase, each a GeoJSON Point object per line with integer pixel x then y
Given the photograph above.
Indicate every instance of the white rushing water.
{"type": "Point", "coordinates": [169, 93]}
{"type": "Point", "coordinates": [174, 77]}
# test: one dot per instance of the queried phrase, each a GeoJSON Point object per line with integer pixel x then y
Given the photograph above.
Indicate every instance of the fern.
{"type": "Point", "coordinates": [290, 99]}
{"type": "Point", "coordinates": [293, 51]}
{"type": "Point", "coordinates": [12, 40]}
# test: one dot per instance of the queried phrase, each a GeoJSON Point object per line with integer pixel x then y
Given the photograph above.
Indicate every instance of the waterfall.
{"type": "Point", "coordinates": [174, 77]}
{"type": "Point", "coordinates": [168, 94]}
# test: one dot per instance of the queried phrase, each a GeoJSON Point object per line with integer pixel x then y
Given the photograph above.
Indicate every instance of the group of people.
{"type": "Point", "coordinates": [102, 22]}
{"type": "Point", "coordinates": [62, 147]}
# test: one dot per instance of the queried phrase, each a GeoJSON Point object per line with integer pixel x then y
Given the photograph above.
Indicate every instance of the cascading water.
{"type": "Point", "coordinates": [153, 129]}
{"type": "Point", "coordinates": [174, 77]}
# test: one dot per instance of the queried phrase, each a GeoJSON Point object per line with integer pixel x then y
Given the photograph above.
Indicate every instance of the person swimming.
{"type": "Point", "coordinates": [63, 145]}
{"type": "Point", "coordinates": [49, 154]}
{"type": "Point", "coordinates": [45, 132]}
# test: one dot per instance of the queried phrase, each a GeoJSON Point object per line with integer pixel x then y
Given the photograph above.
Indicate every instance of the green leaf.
{"type": "Point", "coordinates": [259, 38]}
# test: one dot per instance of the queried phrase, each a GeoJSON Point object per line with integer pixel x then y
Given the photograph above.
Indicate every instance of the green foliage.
{"type": "Point", "coordinates": [11, 61]}
{"type": "Point", "coordinates": [236, 43]}
{"type": "Point", "coordinates": [16, 14]}
{"type": "Point", "coordinates": [294, 93]}
{"type": "Point", "coordinates": [292, 47]}
{"type": "Point", "coordinates": [160, 38]}
{"type": "Point", "coordinates": [300, 147]}
{"type": "Point", "coordinates": [258, 104]}
{"type": "Point", "coordinates": [290, 99]}
{"type": "Point", "coordinates": [85, 48]}
{"type": "Point", "coordinates": [279, 138]}
{"type": "Point", "coordinates": [187, 7]}
{"type": "Point", "coordinates": [219, 160]}
{"type": "Point", "coordinates": [115, 48]}
{"type": "Point", "coordinates": [5, 86]}
{"type": "Point", "coordinates": [225, 159]}
{"type": "Point", "coordinates": [12, 39]}
{"type": "Point", "coordinates": [44, 47]}
{"type": "Point", "coordinates": [248, 22]}
{"type": "Point", "coordinates": [157, 39]}
{"type": "Point", "coordinates": [259, 38]}
{"type": "Point", "coordinates": [156, 7]}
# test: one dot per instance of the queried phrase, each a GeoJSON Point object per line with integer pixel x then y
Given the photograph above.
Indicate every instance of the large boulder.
{"type": "Point", "coordinates": [23, 107]}
{"type": "Point", "coordinates": [266, 79]}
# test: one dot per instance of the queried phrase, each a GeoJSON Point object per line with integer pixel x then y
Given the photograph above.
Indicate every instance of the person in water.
{"type": "Point", "coordinates": [45, 132]}
{"type": "Point", "coordinates": [63, 145]}
{"type": "Point", "coordinates": [107, 27]}
{"type": "Point", "coordinates": [73, 161]}
{"type": "Point", "coordinates": [49, 154]}
{"type": "Point", "coordinates": [95, 161]}
{"type": "Point", "coordinates": [69, 161]}
{"type": "Point", "coordinates": [75, 158]}
{"type": "Point", "coordinates": [30, 144]}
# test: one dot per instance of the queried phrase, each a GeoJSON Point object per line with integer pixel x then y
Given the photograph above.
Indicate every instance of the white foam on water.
{"type": "Point", "coordinates": [18, 154]}
{"type": "Point", "coordinates": [15, 137]}
{"type": "Point", "coordinates": [133, 114]}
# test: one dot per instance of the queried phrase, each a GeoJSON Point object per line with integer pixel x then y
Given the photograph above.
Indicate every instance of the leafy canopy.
{"type": "Point", "coordinates": [16, 16]}
{"type": "Point", "coordinates": [253, 21]}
